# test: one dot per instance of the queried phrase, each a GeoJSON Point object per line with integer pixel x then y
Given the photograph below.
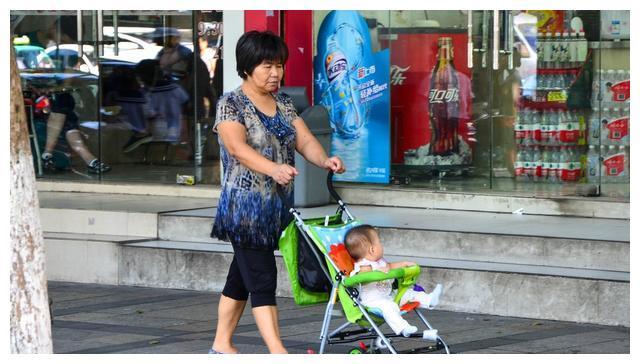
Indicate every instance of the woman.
{"type": "Point", "coordinates": [259, 132]}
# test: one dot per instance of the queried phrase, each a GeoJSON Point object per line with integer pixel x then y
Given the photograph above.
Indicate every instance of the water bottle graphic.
{"type": "Point", "coordinates": [344, 112]}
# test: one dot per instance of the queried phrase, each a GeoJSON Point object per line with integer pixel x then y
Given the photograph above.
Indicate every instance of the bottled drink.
{"type": "Point", "coordinates": [582, 48]}
{"type": "Point", "coordinates": [546, 164]}
{"type": "Point", "coordinates": [548, 50]}
{"type": "Point", "coordinates": [609, 79]}
{"type": "Point", "coordinates": [593, 164]}
{"type": "Point", "coordinates": [540, 43]}
{"type": "Point", "coordinates": [595, 88]}
{"type": "Point", "coordinates": [536, 159]}
{"type": "Point", "coordinates": [563, 165]}
{"type": "Point", "coordinates": [530, 164]}
{"type": "Point", "coordinates": [536, 127]}
{"type": "Point", "coordinates": [573, 50]}
{"type": "Point", "coordinates": [604, 126]}
{"type": "Point", "coordinates": [568, 128]}
{"type": "Point", "coordinates": [563, 58]}
{"type": "Point", "coordinates": [344, 113]}
{"type": "Point", "coordinates": [613, 165]}
{"type": "Point", "coordinates": [557, 50]}
{"type": "Point", "coordinates": [519, 127]}
{"type": "Point", "coordinates": [554, 167]}
{"type": "Point", "coordinates": [553, 128]}
{"type": "Point", "coordinates": [443, 102]}
{"type": "Point", "coordinates": [624, 175]}
{"type": "Point", "coordinates": [520, 163]}
{"type": "Point", "coordinates": [618, 128]}
{"type": "Point", "coordinates": [544, 127]}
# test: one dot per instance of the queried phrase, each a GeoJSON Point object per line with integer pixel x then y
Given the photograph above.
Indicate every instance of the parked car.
{"type": "Point", "coordinates": [32, 57]}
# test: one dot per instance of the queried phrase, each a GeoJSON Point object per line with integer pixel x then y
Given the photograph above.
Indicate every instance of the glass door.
{"type": "Point", "coordinates": [440, 107]}
{"type": "Point", "coordinates": [556, 131]}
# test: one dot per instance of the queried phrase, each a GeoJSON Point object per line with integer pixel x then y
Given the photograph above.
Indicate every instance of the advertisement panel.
{"type": "Point", "coordinates": [352, 82]}
{"type": "Point", "coordinates": [431, 98]}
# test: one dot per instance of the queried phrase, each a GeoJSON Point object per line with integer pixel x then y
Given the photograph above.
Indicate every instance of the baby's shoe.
{"type": "Point", "coordinates": [407, 331]}
{"type": "Point", "coordinates": [434, 297]}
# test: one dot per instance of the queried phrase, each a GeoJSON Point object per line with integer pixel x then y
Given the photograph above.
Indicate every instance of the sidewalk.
{"type": "Point", "coordinates": [102, 319]}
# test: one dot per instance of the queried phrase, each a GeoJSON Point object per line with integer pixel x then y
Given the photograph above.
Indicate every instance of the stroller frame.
{"type": "Point", "coordinates": [379, 340]}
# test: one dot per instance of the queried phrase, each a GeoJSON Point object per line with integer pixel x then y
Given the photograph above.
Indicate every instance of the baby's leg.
{"type": "Point", "coordinates": [426, 300]}
{"type": "Point", "coordinates": [391, 314]}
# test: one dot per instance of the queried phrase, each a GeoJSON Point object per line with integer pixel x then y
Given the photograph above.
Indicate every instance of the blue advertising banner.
{"type": "Point", "coordinates": [352, 82]}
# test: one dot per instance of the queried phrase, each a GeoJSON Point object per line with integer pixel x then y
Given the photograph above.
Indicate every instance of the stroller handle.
{"type": "Point", "coordinates": [332, 191]}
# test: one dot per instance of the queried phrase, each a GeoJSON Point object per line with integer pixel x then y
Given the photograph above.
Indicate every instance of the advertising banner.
{"type": "Point", "coordinates": [352, 82]}
{"type": "Point", "coordinates": [431, 98]}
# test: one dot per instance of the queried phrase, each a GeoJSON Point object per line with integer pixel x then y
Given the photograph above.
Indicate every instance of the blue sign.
{"type": "Point", "coordinates": [353, 84]}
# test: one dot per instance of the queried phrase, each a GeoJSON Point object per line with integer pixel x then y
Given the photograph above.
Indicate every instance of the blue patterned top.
{"type": "Point", "coordinates": [250, 214]}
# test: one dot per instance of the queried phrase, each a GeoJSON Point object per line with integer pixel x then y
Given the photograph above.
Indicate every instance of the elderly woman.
{"type": "Point", "coordinates": [259, 132]}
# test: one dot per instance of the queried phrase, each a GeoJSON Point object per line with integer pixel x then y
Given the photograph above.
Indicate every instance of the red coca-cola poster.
{"type": "Point", "coordinates": [430, 96]}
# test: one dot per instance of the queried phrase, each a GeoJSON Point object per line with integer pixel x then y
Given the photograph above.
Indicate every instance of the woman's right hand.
{"type": "Point", "coordinates": [283, 174]}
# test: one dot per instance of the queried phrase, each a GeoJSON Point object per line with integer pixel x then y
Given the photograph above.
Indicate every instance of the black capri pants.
{"type": "Point", "coordinates": [252, 273]}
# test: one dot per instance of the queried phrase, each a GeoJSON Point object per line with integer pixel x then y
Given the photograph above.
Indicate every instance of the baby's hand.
{"type": "Point", "coordinates": [384, 269]}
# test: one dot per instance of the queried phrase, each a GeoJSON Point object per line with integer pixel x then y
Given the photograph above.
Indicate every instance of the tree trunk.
{"type": "Point", "coordinates": [30, 323]}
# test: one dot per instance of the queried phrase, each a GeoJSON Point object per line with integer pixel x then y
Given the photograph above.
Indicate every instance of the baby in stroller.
{"type": "Point", "coordinates": [363, 244]}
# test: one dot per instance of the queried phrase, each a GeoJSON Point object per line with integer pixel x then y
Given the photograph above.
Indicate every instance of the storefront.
{"type": "Point", "coordinates": [509, 102]}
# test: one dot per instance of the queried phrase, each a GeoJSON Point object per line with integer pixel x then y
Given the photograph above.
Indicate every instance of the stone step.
{"type": "Point", "coordinates": [570, 244]}
{"type": "Point", "coordinates": [468, 286]}
{"type": "Point", "coordinates": [531, 203]}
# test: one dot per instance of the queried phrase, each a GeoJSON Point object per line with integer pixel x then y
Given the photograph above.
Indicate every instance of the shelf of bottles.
{"type": "Point", "coordinates": [608, 136]}
{"type": "Point", "coordinates": [561, 135]}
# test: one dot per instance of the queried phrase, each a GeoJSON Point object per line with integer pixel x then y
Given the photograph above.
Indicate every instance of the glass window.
{"type": "Point", "coordinates": [537, 105]}
{"type": "Point", "coordinates": [122, 95]}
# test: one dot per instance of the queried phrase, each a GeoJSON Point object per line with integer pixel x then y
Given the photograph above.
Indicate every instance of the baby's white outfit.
{"type": "Point", "coordinates": [380, 295]}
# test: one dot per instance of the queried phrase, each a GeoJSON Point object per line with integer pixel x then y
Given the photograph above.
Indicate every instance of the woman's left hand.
{"type": "Point", "coordinates": [335, 164]}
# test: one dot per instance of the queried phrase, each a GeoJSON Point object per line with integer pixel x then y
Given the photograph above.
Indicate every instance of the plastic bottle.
{"type": "Point", "coordinates": [536, 158]}
{"type": "Point", "coordinates": [624, 175]}
{"type": "Point", "coordinates": [553, 128]}
{"type": "Point", "coordinates": [520, 163]}
{"type": "Point", "coordinates": [557, 52]}
{"type": "Point", "coordinates": [595, 88]}
{"type": "Point", "coordinates": [548, 50]}
{"type": "Point", "coordinates": [582, 48]}
{"type": "Point", "coordinates": [535, 127]}
{"type": "Point", "coordinates": [613, 165]}
{"type": "Point", "coordinates": [519, 127]}
{"type": "Point", "coordinates": [540, 44]}
{"type": "Point", "coordinates": [573, 50]}
{"type": "Point", "coordinates": [564, 50]}
{"type": "Point", "coordinates": [563, 165]}
{"type": "Point", "coordinates": [546, 164]}
{"type": "Point", "coordinates": [605, 118]}
{"type": "Point", "coordinates": [593, 164]}
{"type": "Point", "coordinates": [608, 80]}
{"type": "Point", "coordinates": [554, 168]}
{"type": "Point", "coordinates": [544, 127]}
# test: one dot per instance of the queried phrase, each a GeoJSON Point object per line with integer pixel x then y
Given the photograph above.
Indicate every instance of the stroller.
{"type": "Point", "coordinates": [319, 271]}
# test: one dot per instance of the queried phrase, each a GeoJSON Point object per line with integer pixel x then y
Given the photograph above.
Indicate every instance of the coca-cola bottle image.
{"type": "Point", "coordinates": [444, 107]}
{"type": "Point", "coordinates": [343, 112]}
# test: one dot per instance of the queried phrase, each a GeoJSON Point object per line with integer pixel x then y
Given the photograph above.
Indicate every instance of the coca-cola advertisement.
{"type": "Point", "coordinates": [430, 97]}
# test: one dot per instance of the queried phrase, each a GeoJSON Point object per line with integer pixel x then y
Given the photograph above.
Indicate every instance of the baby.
{"type": "Point", "coordinates": [363, 244]}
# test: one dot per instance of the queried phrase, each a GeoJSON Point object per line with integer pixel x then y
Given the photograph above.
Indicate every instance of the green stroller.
{"type": "Point", "coordinates": [318, 265]}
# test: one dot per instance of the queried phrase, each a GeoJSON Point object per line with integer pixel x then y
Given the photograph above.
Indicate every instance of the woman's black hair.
{"type": "Point", "coordinates": [254, 47]}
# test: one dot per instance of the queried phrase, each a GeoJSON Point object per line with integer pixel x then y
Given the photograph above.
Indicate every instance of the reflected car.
{"type": "Point", "coordinates": [32, 57]}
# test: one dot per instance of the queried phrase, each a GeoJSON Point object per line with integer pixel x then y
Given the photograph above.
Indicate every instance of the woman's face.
{"type": "Point", "coordinates": [267, 76]}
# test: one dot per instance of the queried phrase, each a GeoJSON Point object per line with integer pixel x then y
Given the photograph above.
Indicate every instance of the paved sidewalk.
{"type": "Point", "coordinates": [103, 319]}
